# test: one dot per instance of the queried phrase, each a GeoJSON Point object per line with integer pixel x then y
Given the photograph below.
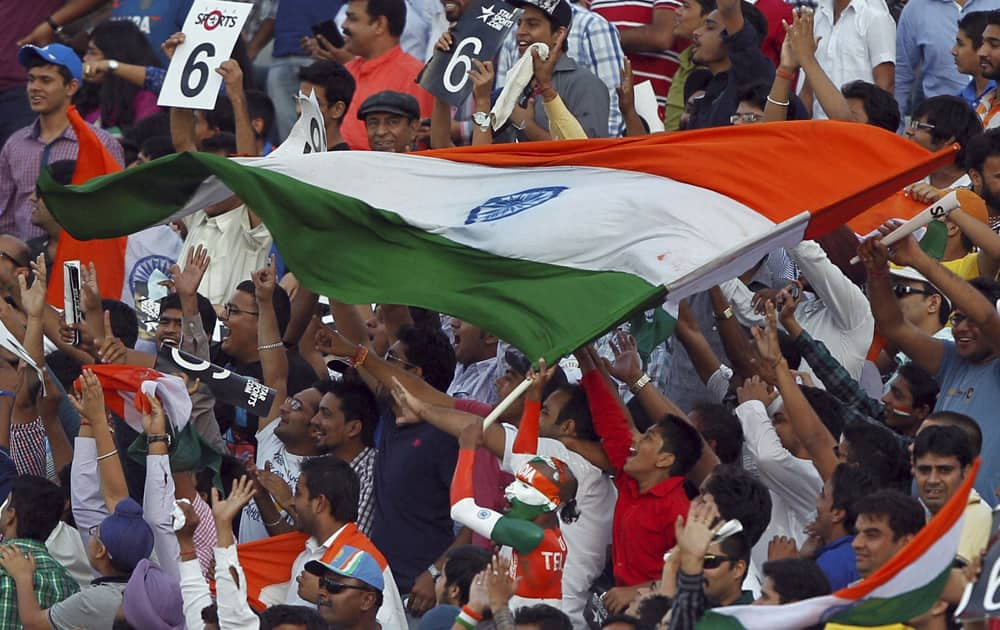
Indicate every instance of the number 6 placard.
{"type": "Point", "coordinates": [478, 35]}
{"type": "Point", "coordinates": [210, 33]}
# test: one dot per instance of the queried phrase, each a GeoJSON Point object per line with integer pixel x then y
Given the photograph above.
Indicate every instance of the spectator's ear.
{"type": "Point", "coordinates": [665, 460]}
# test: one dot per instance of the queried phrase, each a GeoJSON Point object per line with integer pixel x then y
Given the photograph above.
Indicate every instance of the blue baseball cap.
{"type": "Point", "coordinates": [56, 54]}
{"type": "Point", "coordinates": [351, 562]}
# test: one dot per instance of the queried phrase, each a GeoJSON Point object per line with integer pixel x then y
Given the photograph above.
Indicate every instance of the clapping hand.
{"type": "Point", "coordinates": [33, 297]}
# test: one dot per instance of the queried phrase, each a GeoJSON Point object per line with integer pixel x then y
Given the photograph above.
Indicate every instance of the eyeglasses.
{"type": "Point", "coordinates": [334, 587]}
{"type": "Point", "coordinates": [293, 403]}
{"type": "Point", "coordinates": [746, 117]}
{"type": "Point", "coordinates": [916, 125]}
{"type": "Point", "coordinates": [713, 561]}
{"type": "Point", "coordinates": [902, 290]}
{"type": "Point", "coordinates": [392, 357]}
{"type": "Point", "coordinates": [17, 262]}
{"type": "Point", "coordinates": [232, 308]}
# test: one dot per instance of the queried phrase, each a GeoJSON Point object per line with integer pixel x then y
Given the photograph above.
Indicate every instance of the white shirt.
{"type": "Point", "coordinates": [840, 316]}
{"type": "Point", "coordinates": [862, 38]}
{"type": "Point", "coordinates": [391, 614]}
{"type": "Point", "coordinates": [793, 483]}
{"type": "Point", "coordinates": [236, 249]}
{"type": "Point", "coordinates": [66, 547]}
{"type": "Point", "coordinates": [476, 381]}
{"type": "Point", "coordinates": [587, 538]}
{"type": "Point", "coordinates": [283, 464]}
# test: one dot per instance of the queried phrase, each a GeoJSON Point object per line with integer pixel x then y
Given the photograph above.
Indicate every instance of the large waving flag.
{"type": "Point", "coordinates": [544, 244]}
{"type": "Point", "coordinates": [905, 587]}
{"type": "Point", "coordinates": [122, 383]}
{"type": "Point", "coordinates": [108, 256]}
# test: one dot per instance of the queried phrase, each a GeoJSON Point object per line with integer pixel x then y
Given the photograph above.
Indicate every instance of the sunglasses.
{"type": "Point", "coordinates": [713, 561]}
{"type": "Point", "coordinates": [902, 290]}
{"type": "Point", "coordinates": [335, 588]}
{"type": "Point", "coordinates": [916, 124]}
{"type": "Point", "coordinates": [747, 117]}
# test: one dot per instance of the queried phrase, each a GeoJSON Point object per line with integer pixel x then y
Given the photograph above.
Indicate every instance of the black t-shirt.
{"type": "Point", "coordinates": [300, 376]}
{"type": "Point", "coordinates": [722, 95]}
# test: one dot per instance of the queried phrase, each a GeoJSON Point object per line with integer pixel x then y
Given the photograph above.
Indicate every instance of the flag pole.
{"type": "Point", "coordinates": [507, 402]}
{"type": "Point", "coordinates": [940, 208]}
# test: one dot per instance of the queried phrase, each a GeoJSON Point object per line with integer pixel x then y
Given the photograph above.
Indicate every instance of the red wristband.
{"type": "Point", "coordinates": [472, 613]}
{"type": "Point", "coordinates": [360, 354]}
{"type": "Point", "coordinates": [788, 76]}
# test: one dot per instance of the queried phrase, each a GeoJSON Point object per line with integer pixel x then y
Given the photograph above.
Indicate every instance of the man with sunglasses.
{"type": "Point", "coordinates": [14, 257]}
{"type": "Point", "coordinates": [350, 589]}
{"type": "Point", "coordinates": [966, 368]}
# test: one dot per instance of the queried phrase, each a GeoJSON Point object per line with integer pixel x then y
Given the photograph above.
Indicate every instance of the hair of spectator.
{"type": "Point", "coordinates": [285, 615]}
{"type": "Point", "coordinates": [984, 145]}
{"type": "Point", "coordinates": [952, 117]}
{"type": "Point", "coordinates": [989, 287]}
{"type": "Point", "coordinates": [964, 422]}
{"type": "Point", "coordinates": [923, 387]}
{"type": "Point", "coordinates": [973, 24]}
{"type": "Point", "coordinates": [906, 515]}
{"type": "Point", "coordinates": [828, 407]}
{"type": "Point", "coordinates": [755, 18]}
{"type": "Point", "coordinates": [578, 410]}
{"type": "Point", "coordinates": [840, 245]}
{"type": "Point", "coordinates": [721, 425]}
{"type": "Point", "coordinates": [222, 142]}
{"type": "Point", "coordinates": [124, 324]}
{"type": "Point", "coordinates": [850, 482]}
{"type": "Point", "coordinates": [429, 350]}
{"type": "Point", "coordinates": [279, 299]}
{"type": "Point", "coordinates": [737, 547]}
{"type": "Point", "coordinates": [943, 441]}
{"type": "Point", "coordinates": [62, 171]}
{"type": "Point", "coordinates": [706, 6]}
{"type": "Point", "coordinates": [222, 117]}
{"type": "Point", "coordinates": [796, 579]}
{"type": "Point", "coordinates": [259, 105]}
{"type": "Point", "coordinates": [788, 349]}
{"type": "Point", "coordinates": [115, 97]}
{"type": "Point", "coordinates": [461, 565]}
{"type": "Point", "coordinates": [333, 77]}
{"type": "Point", "coordinates": [738, 495]}
{"type": "Point", "coordinates": [652, 610]}
{"type": "Point", "coordinates": [205, 310]}
{"type": "Point", "coordinates": [356, 403]}
{"type": "Point", "coordinates": [756, 94]}
{"type": "Point", "coordinates": [394, 12]}
{"type": "Point", "coordinates": [334, 479]}
{"type": "Point", "coordinates": [683, 441]}
{"type": "Point", "coordinates": [38, 504]}
{"type": "Point", "coordinates": [880, 106]}
{"type": "Point", "coordinates": [622, 618]}
{"type": "Point", "coordinates": [157, 146]}
{"type": "Point", "coordinates": [877, 449]}
{"type": "Point", "coordinates": [543, 616]}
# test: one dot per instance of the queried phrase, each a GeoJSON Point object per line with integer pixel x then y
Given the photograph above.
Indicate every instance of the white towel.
{"type": "Point", "coordinates": [518, 78]}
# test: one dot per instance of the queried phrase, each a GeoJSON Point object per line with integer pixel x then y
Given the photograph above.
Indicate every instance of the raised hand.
{"type": "Point", "coordinates": [225, 510]}
{"type": "Point", "coordinates": [169, 47]}
{"type": "Point", "coordinates": [766, 339]}
{"type": "Point", "coordinates": [264, 281]}
{"type": "Point", "coordinates": [444, 42]}
{"type": "Point", "coordinates": [755, 389]}
{"type": "Point", "coordinates": [33, 297]}
{"type": "Point", "coordinates": [874, 255]}
{"type": "Point", "coordinates": [113, 350]}
{"type": "Point", "coordinates": [800, 35]}
{"type": "Point", "coordinates": [274, 485]}
{"type": "Point", "coordinates": [627, 366]}
{"type": "Point", "coordinates": [471, 436]}
{"type": "Point", "coordinates": [90, 292]}
{"type": "Point", "coordinates": [332, 342]}
{"type": "Point", "coordinates": [539, 380]}
{"type": "Point", "coordinates": [232, 76]}
{"type": "Point", "coordinates": [626, 93]}
{"type": "Point", "coordinates": [154, 421]}
{"type": "Point", "coordinates": [482, 76]}
{"type": "Point", "coordinates": [89, 399]}
{"type": "Point", "coordinates": [781, 547]}
{"type": "Point", "coordinates": [411, 408]}
{"type": "Point", "coordinates": [905, 252]}
{"type": "Point", "coordinates": [544, 68]}
{"type": "Point", "coordinates": [694, 535]}
{"type": "Point", "coordinates": [499, 583]}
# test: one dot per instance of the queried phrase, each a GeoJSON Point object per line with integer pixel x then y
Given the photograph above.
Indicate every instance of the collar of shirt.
{"type": "Point", "coordinates": [28, 544]}
{"type": "Point", "coordinates": [840, 542]}
{"type": "Point", "coordinates": [969, 91]}
{"type": "Point", "coordinates": [370, 66]}
{"type": "Point", "coordinates": [313, 546]}
{"type": "Point", "coordinates": [36, 132]}
{"type": "Point", "coordinates": [366, 453]}
{"type": "Point", "coordinates": [565, 63]}
{"type": "Point", "coordinates": [661, 489]}
{"type": "Point", "coordinates": [110, 579]}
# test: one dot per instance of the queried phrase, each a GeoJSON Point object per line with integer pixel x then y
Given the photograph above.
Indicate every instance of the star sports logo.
{"type": "Point", "coordinates": [215, 19]}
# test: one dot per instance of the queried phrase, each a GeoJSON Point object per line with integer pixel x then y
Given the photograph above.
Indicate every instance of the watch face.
{"type": "Point", "coordinates": [481, 119]}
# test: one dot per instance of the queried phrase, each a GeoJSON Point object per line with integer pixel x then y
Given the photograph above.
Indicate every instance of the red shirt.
{"type": "Point", "coordinates": [643, 526]}
{"type": "Point", "coordinates": [541, 571]}
{"type": "Point", "coordinates": [656, 67]}
{"type": "Point", "coordinates": [775, 11]}
{"type": "Point", "coordinates": [396, 71]}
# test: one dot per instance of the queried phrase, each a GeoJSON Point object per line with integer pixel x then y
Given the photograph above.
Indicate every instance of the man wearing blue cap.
{"type": "Point", "coordinates": [116, 547]}
{"type": "Point", "coordinates": [54, 76]}
{"type": "Point", "coordinates": [350, 589]}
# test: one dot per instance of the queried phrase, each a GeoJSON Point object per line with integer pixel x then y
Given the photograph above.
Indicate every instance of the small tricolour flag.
{"type": "Point", "coordinates": [904, 588]}
{"type": "Point", "coordinates": [122, 383]}
{"type": "Point", "coordinates": [546, 244]}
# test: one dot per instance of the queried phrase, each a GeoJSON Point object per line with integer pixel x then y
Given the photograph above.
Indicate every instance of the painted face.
{"type": "Point", "coordinates": [899, 403]}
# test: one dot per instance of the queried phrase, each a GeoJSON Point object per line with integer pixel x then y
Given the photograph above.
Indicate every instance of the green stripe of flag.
{"type": "Point", "coordinates": [343, 248]}
{"type": "Point", "coordinates": [899, 609]}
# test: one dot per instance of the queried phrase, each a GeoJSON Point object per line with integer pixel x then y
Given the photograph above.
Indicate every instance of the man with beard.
{"type": "Point", "coordinates": [982, 159]}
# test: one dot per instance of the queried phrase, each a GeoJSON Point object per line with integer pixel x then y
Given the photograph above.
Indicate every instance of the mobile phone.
{"type": "Point", "coordinates": [329, 30]}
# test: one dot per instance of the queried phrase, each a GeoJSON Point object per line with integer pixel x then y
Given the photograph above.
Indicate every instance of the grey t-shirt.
{"type": "Point", "coordinates": [93, 607]}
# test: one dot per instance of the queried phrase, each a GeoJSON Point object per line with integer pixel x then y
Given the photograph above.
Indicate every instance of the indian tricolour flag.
{"type": "Point", "coordinates": [123, 384]}
{"type": "Point", "coordinates": [904, 588]}
{"type": "Point", "coordinates": [544, 244]}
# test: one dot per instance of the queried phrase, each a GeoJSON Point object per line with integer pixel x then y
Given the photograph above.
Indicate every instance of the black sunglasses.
{"type": "Point", "coordinates": [335, 588]}
{"type": "Point", "coordinates": [713, 561]}
{"type": "Point", "coordinates": [902, 290]}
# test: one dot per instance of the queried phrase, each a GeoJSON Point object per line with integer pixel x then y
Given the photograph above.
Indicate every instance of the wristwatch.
{"type": "Point", "coordinates": [483, 119]}
{"type": "Point", "coordinates": [162, 437]}
{"type": "Point", "coordinates": [641, 382]}
{"type": "Point", "coordinates": [112, 65]}
{"type": "Point", "coordinates": [56, 27]}
{"type": "Point", "coordinates": [434, 571]}
{"type": "Point", "coordinates": [726, 314]}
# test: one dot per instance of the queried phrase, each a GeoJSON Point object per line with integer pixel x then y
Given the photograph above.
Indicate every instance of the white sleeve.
{"type": "Point", "coordinates": [231, 598]}
{"type": "Point", "coordinates": [880, 38]}
{"type": "Point", "coordinates": [391, 614]}
{"type": "Point", "coordinates": [740, 297]}
{"type": "Point", "coordinates": [195, 592]}
{"type": "Point", "coordinates": [844, 299]}
{"type": "Point", "coordinates": [86, 499]}
{"type": "Point", "coordinates": [509, 435]}
{"type": "Point", "coordinates": [718, 383]}
{"type": "Point", "coordinates": [796, 480]}
{"type": "Point", "coordinates": [158, 509]}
